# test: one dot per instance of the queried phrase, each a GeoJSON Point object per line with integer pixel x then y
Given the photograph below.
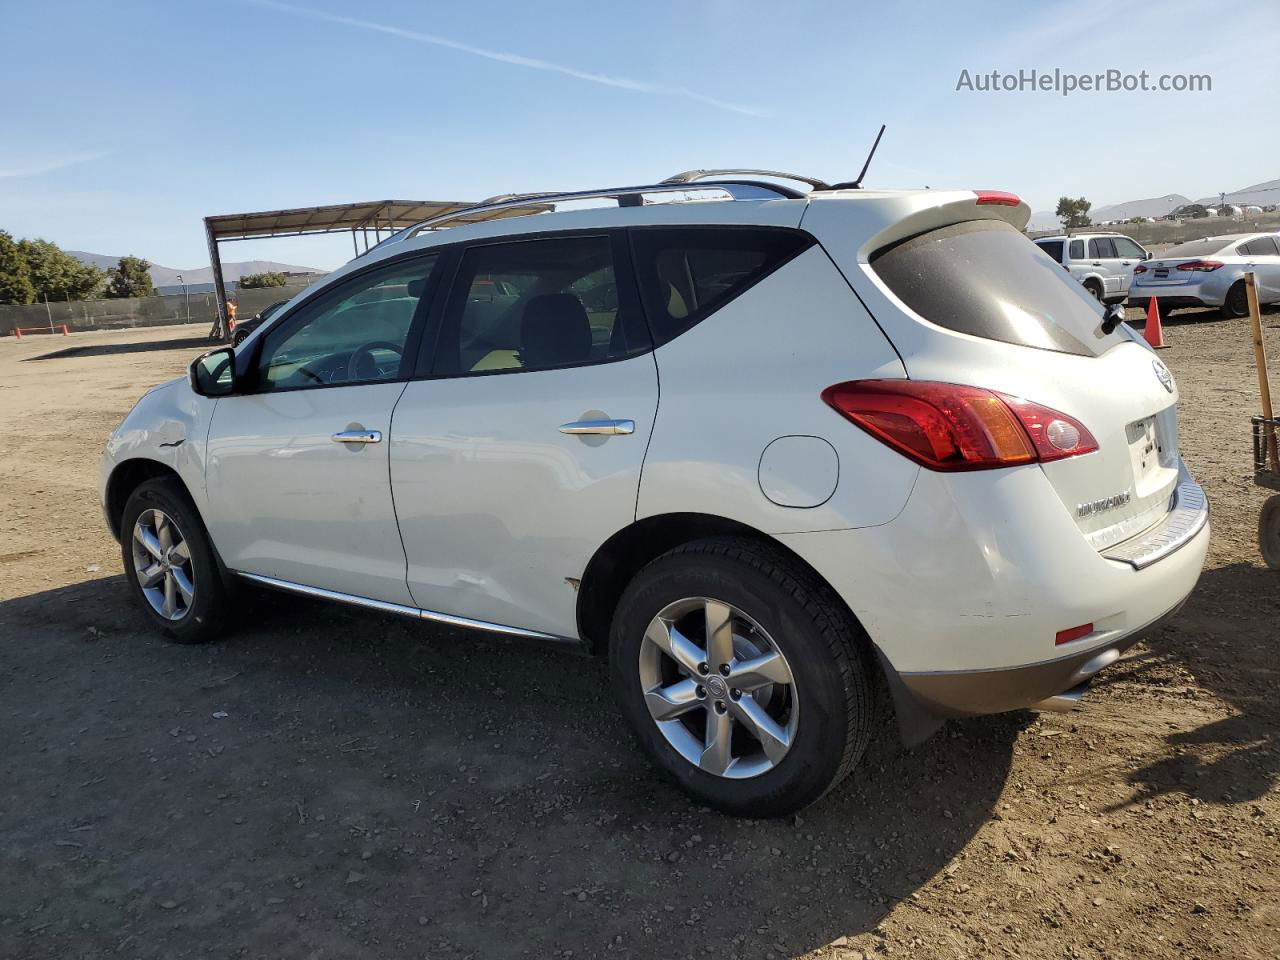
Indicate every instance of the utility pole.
{"type": "Point", "coordinates": [185, 296]}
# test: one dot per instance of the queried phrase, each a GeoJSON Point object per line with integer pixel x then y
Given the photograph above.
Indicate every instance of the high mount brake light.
{"type": "Point", "coordinates": [997, 197]}
{"type": "Point", "coordinates": [951, 427]}
{"type": "Point", "coordinates": [1200, 266]}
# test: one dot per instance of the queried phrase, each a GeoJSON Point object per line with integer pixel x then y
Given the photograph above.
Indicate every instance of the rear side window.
{"type": "Point", "coordinates": [1052, 247]}
{"type": "Point", "coordinates": [986, 279]}
{"type": "Point", "coordinates": [688, 273]}
{"type": "Point", "coordinates": [1077, 250]}
{"type": "Point", "coordinates": [1261, 247]}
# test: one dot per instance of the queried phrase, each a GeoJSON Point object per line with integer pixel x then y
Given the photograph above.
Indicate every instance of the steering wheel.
{"type": "Point", "coordinates": [361, 360]}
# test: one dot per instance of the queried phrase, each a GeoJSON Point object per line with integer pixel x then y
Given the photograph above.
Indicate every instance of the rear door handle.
{"type": "Point", "coordinates": [358, 436]}
{"type": "Point", "coordinates": [608, 428]}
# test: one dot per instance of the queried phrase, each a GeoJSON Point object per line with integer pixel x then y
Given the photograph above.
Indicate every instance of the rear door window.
{"type": "Point", "coordinates": [1101, 248]}
{"type": "Point", "coordinates": [985, 279]}
{"type": "Point", "coordinates": [1052, 247]}
{"type": "Point", "coordinates": [537, 304]}
{"type": "Point", "coordinates": [688, 273]}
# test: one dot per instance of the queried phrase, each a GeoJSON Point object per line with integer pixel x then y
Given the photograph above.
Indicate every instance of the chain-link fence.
{"type": "Point", "coordinates": [199, 308]}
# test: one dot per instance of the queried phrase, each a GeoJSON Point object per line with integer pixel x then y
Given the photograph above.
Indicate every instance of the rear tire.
{"type": "Point", "coordinates": [1095, 291]}
{"type": "Point", "coordinates": [1269, 532]}
{"type": "Point", "coordinates": [1236, 303]}
{"type": "Point", "coordinates": [795, 729]}
{"type": "Point", "coordinates": [170, 564]}
{"type": "Point", "coordinates": [239, 337]}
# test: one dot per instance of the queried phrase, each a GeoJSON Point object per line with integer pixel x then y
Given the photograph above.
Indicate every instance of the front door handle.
{"type": "Point", "coordinates": [608, 428]}
{"type": "Point", "coordinates": [358, 436]}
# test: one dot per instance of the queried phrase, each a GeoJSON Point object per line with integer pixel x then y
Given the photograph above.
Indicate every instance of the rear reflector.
{"type": "Point", "coordinates": [998, 197]}
{"type": "Point", "coordinates": [951, 427]}
{"type": "Point", "coordinates": [1200, 266]}
{"type": "Point", "coordinates": [1075, 633]}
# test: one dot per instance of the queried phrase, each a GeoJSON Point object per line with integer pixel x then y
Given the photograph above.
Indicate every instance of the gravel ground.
{"type": "Point", "coordinates": [332, 783]}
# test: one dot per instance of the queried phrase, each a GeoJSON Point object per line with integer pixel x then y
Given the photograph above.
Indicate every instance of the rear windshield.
{"type": "Point", "coordinates": [986, 279]}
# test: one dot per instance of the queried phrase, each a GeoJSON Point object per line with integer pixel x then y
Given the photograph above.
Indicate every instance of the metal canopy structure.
{"type": "Point", "coordinates": [379, 218]}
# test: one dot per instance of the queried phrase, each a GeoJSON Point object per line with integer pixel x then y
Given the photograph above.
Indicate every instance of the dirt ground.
{"type": "Point", "coordinates": [330, 783]}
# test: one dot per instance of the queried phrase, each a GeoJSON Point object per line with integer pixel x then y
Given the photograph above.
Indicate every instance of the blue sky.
{"type": "Point", "coordinates": [135, 119]}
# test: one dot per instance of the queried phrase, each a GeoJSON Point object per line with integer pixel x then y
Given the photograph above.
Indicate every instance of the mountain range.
{"type": "Point", "coordinates": [168, 276]}
{"type": "Point", "coordinates": [1267, 192]}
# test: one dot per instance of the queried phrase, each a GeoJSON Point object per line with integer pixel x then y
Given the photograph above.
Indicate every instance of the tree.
{"type": "Point", "coordinates": [1073, 213]}
{"type": "Point", "coordinates": [15, 275]}
{"type": "Point", "coordinates": [56, 274]}
{"type": "Point", "coordinates": [256, 281]}
{"type": "Point", "coordinates": [131, 277]}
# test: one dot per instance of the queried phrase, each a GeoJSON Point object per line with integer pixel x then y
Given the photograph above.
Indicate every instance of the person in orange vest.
{"type": "Point", "coordinates": [231, 317]}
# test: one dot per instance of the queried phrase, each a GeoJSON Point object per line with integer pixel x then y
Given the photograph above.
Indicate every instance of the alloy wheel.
{"type": "Point", "coordinates": [718, 688]}
{"type": "Point", "coordinates": [162, 564]}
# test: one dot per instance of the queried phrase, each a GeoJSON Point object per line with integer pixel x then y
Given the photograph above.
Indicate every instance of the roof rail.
{"type": "Point", "coordinates": [690, 176]}
{"type": "Point", "coordinates": [519, 205]}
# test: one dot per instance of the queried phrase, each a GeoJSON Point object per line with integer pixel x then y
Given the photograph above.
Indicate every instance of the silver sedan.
{"type": "Point", "coordinates": [1210, 273]}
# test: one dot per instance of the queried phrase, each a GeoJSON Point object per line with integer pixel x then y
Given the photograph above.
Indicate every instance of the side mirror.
{"type": "Point", "coordinates": [214, 374]}
{"type": "Point", "coordinates": [1146, 255]}
{"type": "Point", "coordinates": [1112, 317]}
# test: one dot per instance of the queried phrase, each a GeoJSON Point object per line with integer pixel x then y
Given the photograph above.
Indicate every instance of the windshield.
{"type": "Point", "coordinates": [986, 279]}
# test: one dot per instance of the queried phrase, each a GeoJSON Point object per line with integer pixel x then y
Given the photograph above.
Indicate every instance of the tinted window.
{"type": "Point", "coordinates": [354, 334]}
{"type": "Point", "coordinates": [687, 273]}
{"type": "Point", "coordinates": [1128, 249]}
{"type": "Point", "coordinates": [1260, 247]}
{"type": "Point", "coordinates": [534, 305]}
{"type": "Point", "coordinates": [1100, 247]}
{"type": "Point", "coordinates": [1077, 250]}
{"type": "Point", "coordinates": [1052, 247]}
{"type": "Point", "coordinates": [986, 279]}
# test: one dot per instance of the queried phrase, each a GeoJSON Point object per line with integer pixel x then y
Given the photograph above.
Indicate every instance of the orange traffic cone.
{"type": "Point", "coordinates": [1152, 331]}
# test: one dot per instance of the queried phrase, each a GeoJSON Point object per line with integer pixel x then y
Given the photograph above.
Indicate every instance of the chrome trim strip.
{"type": "Point", "coordinates": [406, 611]}
{"type": "Point", "coordinates": [1176, 529]}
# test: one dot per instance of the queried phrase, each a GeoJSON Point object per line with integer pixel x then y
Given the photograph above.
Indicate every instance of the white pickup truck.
{"type": "Point", "coordinates": [1103, 262]}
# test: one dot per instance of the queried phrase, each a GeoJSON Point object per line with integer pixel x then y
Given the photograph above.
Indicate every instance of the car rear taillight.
{"type": "Point", "coordinates": [1139, 269]}
{"type": "Point", "coordinates": [1200, 266]}
{"type": "Point", "coordinates": [998, 197]}
{"type": "Point", "coordinates": [947, 426]}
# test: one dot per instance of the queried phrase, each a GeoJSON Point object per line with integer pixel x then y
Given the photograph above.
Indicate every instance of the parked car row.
{"type": "Point", "coordinates": [1208, 272]}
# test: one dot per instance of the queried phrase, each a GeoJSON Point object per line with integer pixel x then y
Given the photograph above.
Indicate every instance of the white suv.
{"type": "Point", "coordinates": [762, 454]}
{"type": "Point", "coordinates": [1103, 263]}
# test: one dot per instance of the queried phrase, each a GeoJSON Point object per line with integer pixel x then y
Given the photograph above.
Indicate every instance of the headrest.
{"type": "Point", "coordinates": [417, 287]}
{"type": "Point", "coordinates": [554, 331]}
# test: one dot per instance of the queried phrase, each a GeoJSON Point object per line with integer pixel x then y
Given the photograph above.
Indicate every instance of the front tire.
{"type": "Point", "coordinates": [169, 563]}
{"type": "Point", "coordinates": [743, 678]}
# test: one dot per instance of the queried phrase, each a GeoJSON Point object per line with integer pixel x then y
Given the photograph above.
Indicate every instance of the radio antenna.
{"type": "Point", "coordinates": [857, 184]}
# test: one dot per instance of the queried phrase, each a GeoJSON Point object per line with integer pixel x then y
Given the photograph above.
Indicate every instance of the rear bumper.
{"type": "Point", "coordinates": [1167, 301]}
{"type": "Point", "coordinates": [977, 692]}
{"type": "Point", "coordinates": [963, 593]}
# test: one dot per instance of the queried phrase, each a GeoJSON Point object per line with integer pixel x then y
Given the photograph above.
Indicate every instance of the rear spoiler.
{"type": "Point", "coordinates": [886, 218]}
